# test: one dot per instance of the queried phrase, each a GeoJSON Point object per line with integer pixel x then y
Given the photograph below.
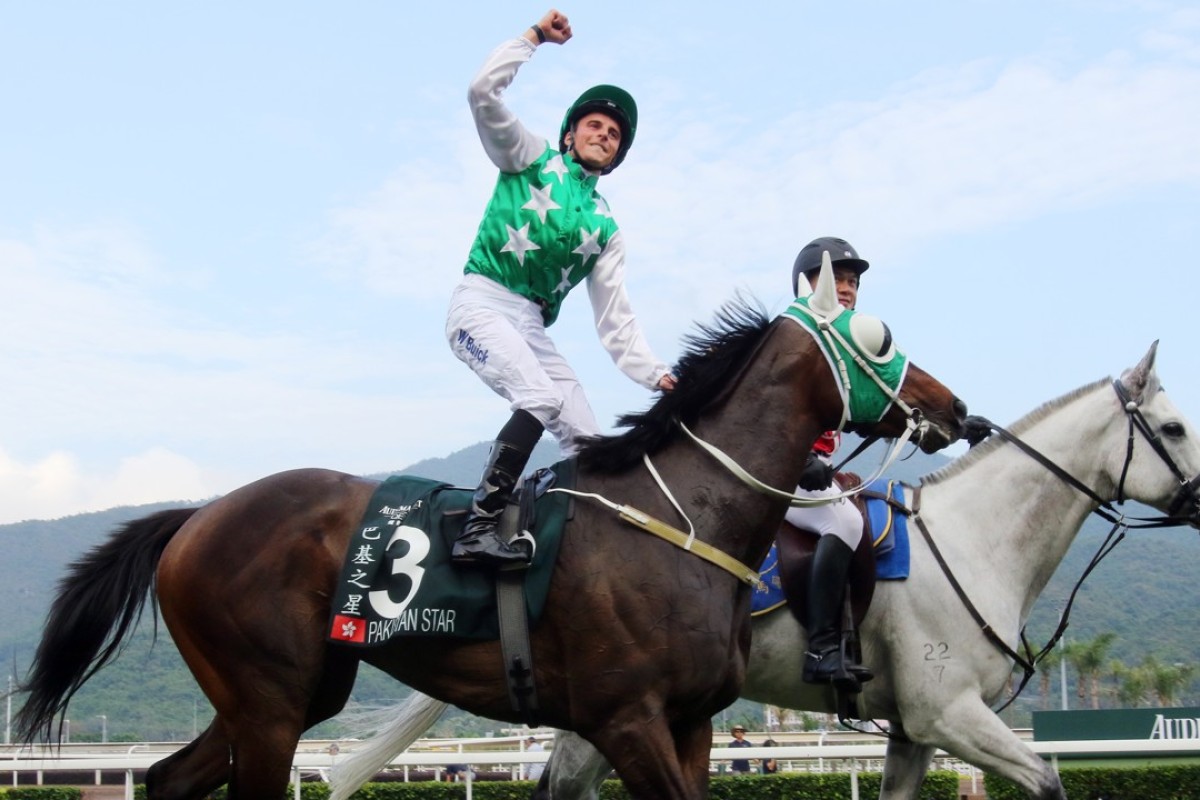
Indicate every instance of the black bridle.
{"type": "Point", "coordinates": [1120, 525]}
{"type": "Point", "coordinates": [1187, 486]}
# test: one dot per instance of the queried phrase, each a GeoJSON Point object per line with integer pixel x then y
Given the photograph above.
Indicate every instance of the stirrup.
{"type": "Point", "coordinates": [832, 667]}
{"type": "Point", "coordinates": [483, 547]}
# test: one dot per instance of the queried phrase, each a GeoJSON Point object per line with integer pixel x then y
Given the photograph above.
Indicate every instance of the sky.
{"type": "Point", "coordinates": [229, 231]}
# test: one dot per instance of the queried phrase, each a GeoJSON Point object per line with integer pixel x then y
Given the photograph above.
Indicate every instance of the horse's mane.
{"type": "Point", "coordinates": [713, 355]}
{"type": "Point", "coordinates": [1016, 429]}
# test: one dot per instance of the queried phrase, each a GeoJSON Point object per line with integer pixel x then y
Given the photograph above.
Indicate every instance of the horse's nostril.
{"type": "Point", "coordinates": [960, 409]}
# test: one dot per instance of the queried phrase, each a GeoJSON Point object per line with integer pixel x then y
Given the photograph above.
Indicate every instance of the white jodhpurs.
{"type": "Point", "coordinates": [840, 518]}
{"type": "Point", "coordinates": [501, 337]}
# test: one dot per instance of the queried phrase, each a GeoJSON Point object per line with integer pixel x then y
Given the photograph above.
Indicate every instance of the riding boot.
{"type": "Point", "coordinates": [479, 543]}
{"type": "Point", "coordinates": [827, 659]}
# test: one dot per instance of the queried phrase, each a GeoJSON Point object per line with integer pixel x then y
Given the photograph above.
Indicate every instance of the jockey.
{"type": "Point", "coordinates": [839, 524]}
{"type": "Point", "coordinates": [545, 230]}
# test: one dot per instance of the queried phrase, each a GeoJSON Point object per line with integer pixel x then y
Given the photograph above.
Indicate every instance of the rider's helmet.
{"type": "Point", "coordinates": [611, 100]}
{"type": "Point", "coordinates": [841, 253]}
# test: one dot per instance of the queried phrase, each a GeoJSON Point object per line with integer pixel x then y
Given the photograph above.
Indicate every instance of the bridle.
{"type": "Point", "coordinates": [1187, 487]}
{"type": "Point", "coordinates": [1104, 509]}
{"type": "Point", "coordinates": [915, 425]}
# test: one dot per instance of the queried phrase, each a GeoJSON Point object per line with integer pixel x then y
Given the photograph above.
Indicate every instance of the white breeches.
{"type": "Point", "coordinates": [840, 518]}
{"type": "Point", "coordinates": [500, 336]}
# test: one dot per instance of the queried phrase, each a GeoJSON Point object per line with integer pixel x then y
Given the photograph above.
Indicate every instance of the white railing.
{"type": "Point", "coordinates": [41, 760]}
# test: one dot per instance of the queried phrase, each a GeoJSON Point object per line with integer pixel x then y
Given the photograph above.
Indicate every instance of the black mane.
{"type": "Point", "coordinates": [714, 355]}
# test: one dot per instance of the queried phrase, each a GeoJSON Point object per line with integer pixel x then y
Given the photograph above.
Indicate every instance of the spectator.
{"type": "Point", "coordinates": [739, 766]}
{"type": "Point", "coordinates": [455, 772]}
{"type": "Point", "coordinates": [533, 770]}
{"type": "Point", "coordinates": [769, 765]}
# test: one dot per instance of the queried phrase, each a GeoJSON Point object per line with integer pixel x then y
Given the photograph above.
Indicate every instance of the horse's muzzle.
{"type": "Point", "coordinates": [932, 435]}
{"type": "Point", "coordinates": [1186, 503]}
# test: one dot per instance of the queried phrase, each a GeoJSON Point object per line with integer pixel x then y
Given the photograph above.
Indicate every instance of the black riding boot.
{"type": "Point", "coordinates": [826, 661]}
{"type": "Point", "coordinates": [479, 542]}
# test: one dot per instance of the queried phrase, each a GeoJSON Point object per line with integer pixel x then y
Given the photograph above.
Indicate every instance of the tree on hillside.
{"type": "Point", "coordinates": [1168, 681]}
{"type": "Point", "coordinates": [1087, 657]}
{"type": "Point", "coordinates": [1131, 684]}
{"type": "Point", "coordinates": [1047, 669]}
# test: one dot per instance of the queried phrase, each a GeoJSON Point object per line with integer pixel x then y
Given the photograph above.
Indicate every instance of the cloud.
{"type": "Point", "coordinates": [57, 485]}
{"type": "Point", "coordinates": [978, 148]}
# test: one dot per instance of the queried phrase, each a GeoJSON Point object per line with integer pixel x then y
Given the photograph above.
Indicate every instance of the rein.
{"type": "Point", "coordinates": [759, 486]}
{"type": "Point", "coordinates": [1104, 509]}
{"type": "Point", "coordinates": [914, 422]}
{"type": "Point", "coordinates": [669, 533]}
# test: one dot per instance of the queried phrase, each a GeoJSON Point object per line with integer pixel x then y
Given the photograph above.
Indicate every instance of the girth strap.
{"type": "Point", "coordinates": [514, 623]}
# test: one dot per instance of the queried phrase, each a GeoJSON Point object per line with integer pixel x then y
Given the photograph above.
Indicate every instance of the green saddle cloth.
{"type": "Point", "coordinates": [397, 579]}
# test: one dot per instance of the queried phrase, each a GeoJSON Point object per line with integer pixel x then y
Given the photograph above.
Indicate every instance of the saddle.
{"type": "Point", "coordinates": [397, 578]}
{"type": "Point", "coordinates": [795, 548]}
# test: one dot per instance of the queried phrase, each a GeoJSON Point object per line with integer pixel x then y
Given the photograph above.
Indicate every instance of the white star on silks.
{"type": "Point", "coordinates": [519, 242]}
{"type": "Point", "coordinates": [590, 246]}
{"type": "Point", "coordinates": [540, 202]}
{"type": "Point", "coordinates": [555, 166]}
{"type": "Point", "coordinates": [564, 285]}
{"type": "Point", "coordinates": [602, 209]}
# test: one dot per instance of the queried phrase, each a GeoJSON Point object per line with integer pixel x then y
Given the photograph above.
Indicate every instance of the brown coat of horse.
{"type": "Point", "coordinates": [641, 642]}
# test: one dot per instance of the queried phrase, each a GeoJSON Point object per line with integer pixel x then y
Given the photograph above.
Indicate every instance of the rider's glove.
{"type": "Point", "coordinates": [817, 474]}
{"type": "Point", "coordinates": [976, 429]}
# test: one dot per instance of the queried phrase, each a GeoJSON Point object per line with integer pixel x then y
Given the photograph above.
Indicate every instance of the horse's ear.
{"type": "Point", "coordinates": [1141, 381]}
{"type": "Point", "coordinates": [824, 299]}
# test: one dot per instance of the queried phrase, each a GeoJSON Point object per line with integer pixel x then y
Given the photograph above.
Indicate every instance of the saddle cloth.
{"type": "Point", "coordinates": [397, 579]}
{"type": "Point", "coordinates": [887, 528]}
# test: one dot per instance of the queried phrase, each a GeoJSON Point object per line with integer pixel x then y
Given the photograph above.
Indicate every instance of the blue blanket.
{"type": "Point", "coordinates": [889, 536]}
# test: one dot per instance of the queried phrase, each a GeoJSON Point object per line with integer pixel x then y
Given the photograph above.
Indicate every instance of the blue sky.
{"type": "Point", "coordinates": [228, 232]}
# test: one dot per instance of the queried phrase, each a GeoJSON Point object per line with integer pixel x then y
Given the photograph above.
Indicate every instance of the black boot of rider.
{"type": "Point", "coordinates": [826, 660]}
{"type": "Point", "coordinates": [479, 543]}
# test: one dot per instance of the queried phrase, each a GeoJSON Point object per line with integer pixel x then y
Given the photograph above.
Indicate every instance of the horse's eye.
{"type": "Point", "coordinates": [1173, 429]}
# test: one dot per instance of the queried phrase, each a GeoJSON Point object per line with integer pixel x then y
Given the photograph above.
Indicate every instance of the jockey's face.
{"type": "Point", "coordinates": [594, 140]}
{"type": "Point", "coordinates": [847, 284]}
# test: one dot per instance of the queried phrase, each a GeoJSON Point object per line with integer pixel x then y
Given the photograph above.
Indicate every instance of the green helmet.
{"type": "Point", "coordinates": [611, 100]}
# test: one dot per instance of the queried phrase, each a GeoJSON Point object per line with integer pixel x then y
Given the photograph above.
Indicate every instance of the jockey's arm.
{"type": "Point", "coordinates": [616, 324]}
{"type": "Point", "coordinates": [507, 142]}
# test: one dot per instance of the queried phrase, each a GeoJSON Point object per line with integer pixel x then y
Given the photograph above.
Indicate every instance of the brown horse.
{"type": "Point", "coordinates": [640, 644]}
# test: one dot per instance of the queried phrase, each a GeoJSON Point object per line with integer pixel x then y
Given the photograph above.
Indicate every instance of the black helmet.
{"type": "Point", "coordinates": [613, 101]}
{"type": "Point", "coordinates": [841, 253]}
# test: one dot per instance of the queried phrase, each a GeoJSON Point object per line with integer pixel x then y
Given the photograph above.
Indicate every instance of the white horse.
{"type": "Point", "coordinates": [1003, 521]}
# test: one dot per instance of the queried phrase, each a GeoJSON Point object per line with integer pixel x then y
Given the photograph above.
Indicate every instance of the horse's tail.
{"type": "Point", "coordinates": [402, 725]}
{"type": "Point", "coordinates": [99, 602]}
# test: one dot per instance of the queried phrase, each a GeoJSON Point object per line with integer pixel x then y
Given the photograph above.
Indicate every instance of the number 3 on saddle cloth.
{"type": "Point", "coordinates": [397, 579]}
{"type": "Point", "coordinates": [882, 554]}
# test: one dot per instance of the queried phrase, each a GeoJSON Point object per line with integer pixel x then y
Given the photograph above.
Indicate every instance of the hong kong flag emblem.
{"type": "Point", "coordinates": [348, 629]}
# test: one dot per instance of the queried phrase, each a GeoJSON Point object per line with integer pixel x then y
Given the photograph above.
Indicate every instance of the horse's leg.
{"type": "Point", "coordinates": [333, 690]}
{"type": "Point", "coordinates": [904, 767]}
{"type": "Point", "coordinates": [264, 702]}
{"type": "Point", "coordinates": [266, 714]}
{"type": "Point", "coordinates": [193, 772]}
{"type": "Point", "coordinates": [574, 770]}
{"type": "Point", "coordinates": [656, 762]}
{"type": "Point", "coordinates": [969, 730]}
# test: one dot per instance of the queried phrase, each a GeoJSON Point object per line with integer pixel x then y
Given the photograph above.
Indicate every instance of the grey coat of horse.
{"type": "Point", "coordinates": [1003, 523]}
